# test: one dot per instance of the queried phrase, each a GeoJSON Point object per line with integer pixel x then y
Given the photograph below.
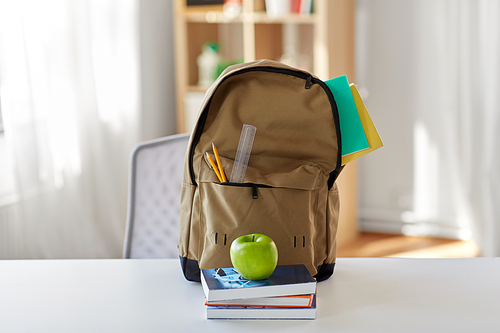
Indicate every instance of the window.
{"type": "Point", "coordinates": [1, 123]}
{"type": "Point", "coordinates": [6, 178]}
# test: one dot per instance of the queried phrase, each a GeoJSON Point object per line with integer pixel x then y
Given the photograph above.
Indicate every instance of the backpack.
{"type": "Point", "coordinates": [289, 191]}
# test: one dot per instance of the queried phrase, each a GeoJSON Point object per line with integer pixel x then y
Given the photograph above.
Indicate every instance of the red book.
{"type": "Point", "coordinates": [295, 301]}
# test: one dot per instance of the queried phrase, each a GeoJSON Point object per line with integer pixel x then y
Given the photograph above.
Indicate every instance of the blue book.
{"type": "Point", "coordinates": [226, 283]}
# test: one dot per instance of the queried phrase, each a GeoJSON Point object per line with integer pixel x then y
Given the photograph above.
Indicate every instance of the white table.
{"type": "Point", "coordinates": [364, 295]}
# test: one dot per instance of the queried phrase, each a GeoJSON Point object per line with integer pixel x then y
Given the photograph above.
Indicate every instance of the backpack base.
{"type": "Point", "coordinates": [191, 270]}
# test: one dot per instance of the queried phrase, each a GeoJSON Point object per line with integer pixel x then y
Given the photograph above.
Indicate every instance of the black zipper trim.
{"type": "Point", "coordinates": [244, 185]}
{"type": "Point", "coordinates": [338, 168]}
{"type": "Point", "coordinates": [306, 76]}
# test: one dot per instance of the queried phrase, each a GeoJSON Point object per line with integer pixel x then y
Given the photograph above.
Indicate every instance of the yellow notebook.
{"type": "Point", "coordinates": [371, 133]}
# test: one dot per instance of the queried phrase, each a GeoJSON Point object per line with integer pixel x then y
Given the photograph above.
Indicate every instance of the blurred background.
{"type": "Point", "coordinates": [84, 81]}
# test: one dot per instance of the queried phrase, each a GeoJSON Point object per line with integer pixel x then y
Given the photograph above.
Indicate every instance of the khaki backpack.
{"type": "Point", "coordinates": [289, 191]}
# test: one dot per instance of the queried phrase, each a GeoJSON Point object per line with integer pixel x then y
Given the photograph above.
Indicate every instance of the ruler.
{"type": "Point", "coordinates": [243, 153]}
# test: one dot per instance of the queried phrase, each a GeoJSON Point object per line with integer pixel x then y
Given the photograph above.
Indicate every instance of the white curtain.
{"type": "Point", "coordinates": [69, 90]}
{"type": "Point", "coordinates": [452, 88]}
{"type": "Point", "coordinates": [457, 137]}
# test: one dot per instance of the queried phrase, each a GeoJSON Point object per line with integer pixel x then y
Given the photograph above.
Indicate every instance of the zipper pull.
{"type": "Point", "coordinates": [308, 81]}
{"type": "Point", "coordinates": [255, 193]}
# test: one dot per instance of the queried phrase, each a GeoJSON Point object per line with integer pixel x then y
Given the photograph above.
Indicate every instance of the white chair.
{"type": "Point", "coordinates": [154, 198]}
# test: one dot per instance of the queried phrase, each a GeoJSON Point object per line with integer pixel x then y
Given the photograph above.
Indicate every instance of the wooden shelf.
{"type": "Point", "coordinates": [262, 17]}
{"type": "Point", "coordinates": [324, 40]}
{"type": "Point", "coordinates": [218, 17]}
{"type": "Point", "coordinates": [250, 36]}
{"type": "Point", "coordinates": [211, 17]}
{"type": "Point", "coordinates": [193, 88]}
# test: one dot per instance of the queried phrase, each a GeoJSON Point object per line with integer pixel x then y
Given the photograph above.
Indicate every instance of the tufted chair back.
{"type": "Point", "coordinates": [154, 197]}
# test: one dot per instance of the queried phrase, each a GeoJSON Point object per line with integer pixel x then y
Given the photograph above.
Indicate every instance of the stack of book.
{"type": "Point", "coordinates": [289, 293]}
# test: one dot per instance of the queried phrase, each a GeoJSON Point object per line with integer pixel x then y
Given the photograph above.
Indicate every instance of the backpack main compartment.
{"type": "Point", "coordinates": [288, 193]}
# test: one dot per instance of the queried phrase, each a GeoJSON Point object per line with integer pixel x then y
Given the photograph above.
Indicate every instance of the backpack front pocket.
{"type": "Point", "coordinates": [284, 206]}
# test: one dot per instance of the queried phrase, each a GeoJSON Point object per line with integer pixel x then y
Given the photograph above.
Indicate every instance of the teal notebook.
{"type": "Point", "coordinates": [351, 129]}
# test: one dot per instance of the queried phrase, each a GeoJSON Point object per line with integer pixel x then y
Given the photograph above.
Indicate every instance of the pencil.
{"type": "Point", "coordinates": [214, 167]}
{"type": "Point", "coordinates": [217, 158]}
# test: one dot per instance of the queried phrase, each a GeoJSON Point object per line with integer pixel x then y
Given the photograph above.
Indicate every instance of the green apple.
{"type": "Point", "coordinates": [254, 256]}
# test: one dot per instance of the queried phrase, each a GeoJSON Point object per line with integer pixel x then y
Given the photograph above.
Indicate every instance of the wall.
{"type": "Point", "coordinates": [385, 66]}
{"type": "Point", "coordinates": [157, 68]}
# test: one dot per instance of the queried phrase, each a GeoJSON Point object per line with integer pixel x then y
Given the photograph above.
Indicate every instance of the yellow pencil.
{"type": "Point", "coordinates": [214, 167]}
{"type": "Point", "coordinates": [217, 158]}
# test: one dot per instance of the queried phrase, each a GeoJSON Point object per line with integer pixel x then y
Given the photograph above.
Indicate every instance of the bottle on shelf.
{"type": "Point", "coordinates": [207, 64]}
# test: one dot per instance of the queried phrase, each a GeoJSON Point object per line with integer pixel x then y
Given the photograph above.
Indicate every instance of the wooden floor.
{"type": "Point", "coordinates": [386, 245]}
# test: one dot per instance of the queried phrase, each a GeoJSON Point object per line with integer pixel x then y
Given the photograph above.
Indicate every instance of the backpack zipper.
{"type": "Point", "coordinates": [309, 81]}
{"type": "Point", "coordinates": [255, 187]}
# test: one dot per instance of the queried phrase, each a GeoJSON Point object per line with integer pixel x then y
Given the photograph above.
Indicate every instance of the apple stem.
{"type": "Point", "coordinates": [253, 238]}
